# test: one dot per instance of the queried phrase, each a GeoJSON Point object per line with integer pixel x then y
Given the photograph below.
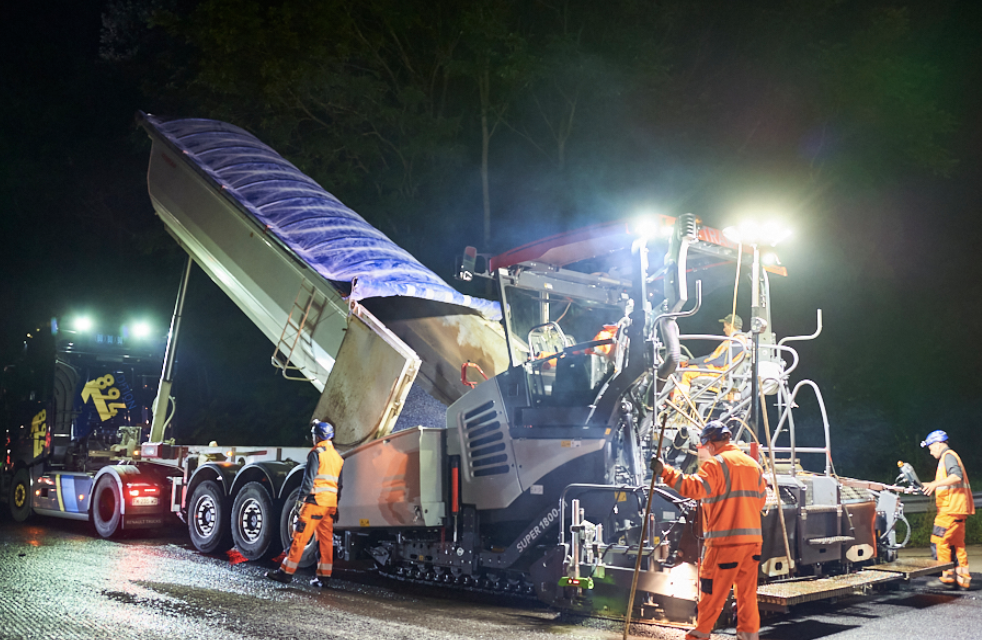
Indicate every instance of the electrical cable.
{"type": "Point", "coordinates": [736, 283]}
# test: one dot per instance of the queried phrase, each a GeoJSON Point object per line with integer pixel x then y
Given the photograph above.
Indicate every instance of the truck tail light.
{"type": "Point", "coordinates": [141, 489]}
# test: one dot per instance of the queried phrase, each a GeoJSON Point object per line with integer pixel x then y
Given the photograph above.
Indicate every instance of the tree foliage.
{"type": "Point", "coordinates": [495, 121]}
{"type": "Point", "coordinates": [401, 105]}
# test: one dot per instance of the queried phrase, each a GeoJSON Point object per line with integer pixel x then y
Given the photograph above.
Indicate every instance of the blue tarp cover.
{"type": "Point", "coordinates": [335, 241]}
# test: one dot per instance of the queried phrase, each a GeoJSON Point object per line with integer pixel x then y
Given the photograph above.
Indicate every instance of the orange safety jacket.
{"type": "Point", "coordinates": [728, 352]}
{"type": "Point", "coordinates": [607, 333]}
{"type": "Point", "coordinates": [322, 475]}
{"type": "Point", "coordinates": [957, 498]}
{"type": "Point", "coordinates": [732, 490]}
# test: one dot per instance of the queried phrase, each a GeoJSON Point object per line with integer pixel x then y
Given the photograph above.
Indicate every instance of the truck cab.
{"type": "Point", "coordinates": [75, 405]}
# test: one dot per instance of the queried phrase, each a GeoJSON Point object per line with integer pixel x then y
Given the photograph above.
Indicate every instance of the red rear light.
{"type": "Point", "coordinates": [47, 441]}
{"type": "Point", "coordinates": [137, 489]}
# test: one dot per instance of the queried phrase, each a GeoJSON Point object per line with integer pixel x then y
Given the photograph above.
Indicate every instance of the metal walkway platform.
{"type": "Point", "coordinates": [915, 567]}
{"type": "Point", "coordinates": [781, 595]}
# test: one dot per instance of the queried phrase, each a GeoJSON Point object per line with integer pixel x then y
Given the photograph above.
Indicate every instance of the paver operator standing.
{"type": "Point", "coordinates": [953, 495]}
{"type": "Point", "coordinates": [732, 491]}
{"type": "Point", "coordinates": [318, 505]}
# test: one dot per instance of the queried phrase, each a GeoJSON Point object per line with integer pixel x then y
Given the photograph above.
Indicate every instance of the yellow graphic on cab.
{"type": "Point", "coordinates": [93, 389]}
{"type": "Point", "coordinates": [39, 429]}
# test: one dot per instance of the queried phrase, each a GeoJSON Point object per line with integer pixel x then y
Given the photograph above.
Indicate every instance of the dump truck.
{"type": "Point", "coordinates": [556, 394]}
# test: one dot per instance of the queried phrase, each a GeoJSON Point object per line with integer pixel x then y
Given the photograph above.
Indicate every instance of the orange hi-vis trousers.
{"type": "Point", "coordinates": [948, 534]}
{"type": "Point", "coordinates": [313, 518]}
{"type": "Point", "coordinates": [724, 567]}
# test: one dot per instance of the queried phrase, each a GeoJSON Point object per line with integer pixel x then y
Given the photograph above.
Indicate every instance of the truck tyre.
{"type": "Point", "coordinates": [208, 519]}
{"type": "Point", "coordinates": [255, 523]}
{"type": "Point", "coordinates": [107, 516]}
{"type": "Point", "coordinates": [20, 496]}
{"type": "Point", "coordinates": [287, 519]}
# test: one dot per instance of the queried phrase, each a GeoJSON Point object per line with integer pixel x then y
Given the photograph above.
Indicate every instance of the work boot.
{"type": "Point", "coordinates": [963, 577]}
{"type": "Point", "coordinates": [320, 582]}
{"type": "Point", "coordinates": [947, 577]}
{"type": "Point", "coordinates": [280, 576]}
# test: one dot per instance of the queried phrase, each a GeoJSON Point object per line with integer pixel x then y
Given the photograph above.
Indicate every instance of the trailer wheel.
{"type": "Point", "coordinates": [208, 519]}
{"type": "Point", "coordinates": [107, 516]}
{"type": "Point", "coordinates": [255, 525]}
{"type": "Point", "coordinates": [288, 517]}
{"type": "Point", "coordinates": [20, 496]}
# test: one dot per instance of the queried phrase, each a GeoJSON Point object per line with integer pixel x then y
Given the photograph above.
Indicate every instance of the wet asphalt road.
{"type": "Point", "coordinates": [57, 582]}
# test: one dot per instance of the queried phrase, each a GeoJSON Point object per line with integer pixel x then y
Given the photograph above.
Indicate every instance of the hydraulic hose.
{"type": "Point", "coordinates": [885, 536]}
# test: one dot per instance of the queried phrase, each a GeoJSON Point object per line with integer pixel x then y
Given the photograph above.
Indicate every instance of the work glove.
{"type": "Point", "coordinates": [335, 515]}
{"type": "Point", "coordinates": [657, 466]}
{"type": "Point", "coordinates": [298, 506]}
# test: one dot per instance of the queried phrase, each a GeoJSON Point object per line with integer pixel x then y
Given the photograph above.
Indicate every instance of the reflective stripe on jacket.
{"type": "Point", "coordinates": [323, 486]}
{"type": "Point", "coordinates": [732, 490]}
{"type": "Point", "coordinates": [957, 498]}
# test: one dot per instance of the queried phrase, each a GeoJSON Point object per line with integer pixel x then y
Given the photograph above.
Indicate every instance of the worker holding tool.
{"type": "Point", "coordinates": [732, 491]}
{"type": "Point", "coordinates": [953, 495]}
{"type": "Point", "coordinates": [318, 507]}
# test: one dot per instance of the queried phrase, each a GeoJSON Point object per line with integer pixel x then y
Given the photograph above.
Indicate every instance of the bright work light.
{"type": "Point", "coordinates": [651, 225]}
{"type": "Point", "coordinates": [770, 259]}
{"type": "Point", "coordinates": [83, 323]}
{"type": "Point", "coordinates": [750, 232]}
{"type": "Point", "coordinates": [141, 330]}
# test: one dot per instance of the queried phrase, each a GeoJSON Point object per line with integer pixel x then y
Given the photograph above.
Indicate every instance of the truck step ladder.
{"type": "Point", "coordinates": [307, 309]}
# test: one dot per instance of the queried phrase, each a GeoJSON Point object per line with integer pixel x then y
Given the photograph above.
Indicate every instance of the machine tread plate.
{"type": "Point", "coordinates": [915, 567]}
{"type": "Point", "coordinates": [796, 592]}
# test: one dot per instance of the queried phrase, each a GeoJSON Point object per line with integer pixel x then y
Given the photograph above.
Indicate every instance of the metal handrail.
{"type": "Point", "coordinates": [827, 450]}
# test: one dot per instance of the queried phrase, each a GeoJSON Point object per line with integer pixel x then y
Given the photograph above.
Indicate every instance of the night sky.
{"type": "Point", "coordinates": [857, 121]}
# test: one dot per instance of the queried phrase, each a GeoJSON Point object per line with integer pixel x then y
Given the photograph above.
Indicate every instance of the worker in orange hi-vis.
{"type": "Point", "coordinates": [318, 505]}
{"type": "Point", "coordinates": [953, 495]}
{"type": "Point", "coordinates": [728, 350]}
{"type": "Point", "coordinates": [723, 356]}
{"type": "Point", "coordinates": [731, 488]}
{"type": "Point", "coordinates": [609, 332]}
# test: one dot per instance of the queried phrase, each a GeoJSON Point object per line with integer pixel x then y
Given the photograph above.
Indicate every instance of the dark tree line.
{"type": "Point", "coordinates": [394, 105]}
{"type": "Point", "coordinates": [493, 122]}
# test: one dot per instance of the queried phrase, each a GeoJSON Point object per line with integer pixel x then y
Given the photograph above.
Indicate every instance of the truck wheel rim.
{"type": "Point", "coordinates": [20, 495]}
{"type": "Point", "coordinates": [204, 516]}
{"type": "Point", "coordinates": [251, 520]}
